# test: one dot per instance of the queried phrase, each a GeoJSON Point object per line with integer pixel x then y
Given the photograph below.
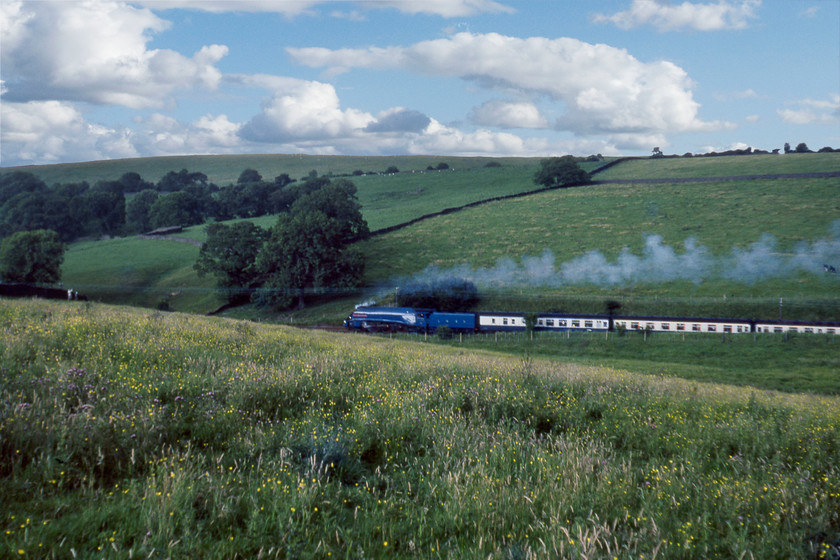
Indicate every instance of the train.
{"type": "Point", "coordinates": [429, 321]}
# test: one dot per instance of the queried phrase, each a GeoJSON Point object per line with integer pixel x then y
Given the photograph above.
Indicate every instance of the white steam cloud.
{"type": "Point", "coordinates": [657, 263]}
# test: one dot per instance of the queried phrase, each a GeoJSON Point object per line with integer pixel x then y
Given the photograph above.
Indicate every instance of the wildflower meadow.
{"type": "Point", "coordinates": [128, 433]}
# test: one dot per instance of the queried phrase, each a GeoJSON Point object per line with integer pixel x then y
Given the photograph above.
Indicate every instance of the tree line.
{"type": "Point", "coordinates": [131, 205]}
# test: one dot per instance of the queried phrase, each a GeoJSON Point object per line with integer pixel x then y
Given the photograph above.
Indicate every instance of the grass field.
{"type": "Point", "coordinates": [141, 272]}
{"type": "Point", "coordinates": [726, 166]}
{"type": "Point", "coordinates": [805, 364]}
{"type": "Point", "coordinates": [720, 216]}
{"type": "Point", "coordinates": [129, 433]}
{"type": "Point", "coordinates": [225, 169]}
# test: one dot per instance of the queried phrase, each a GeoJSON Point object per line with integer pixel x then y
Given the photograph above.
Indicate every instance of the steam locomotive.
{"type": "Point", "coordinates": [407, 319]}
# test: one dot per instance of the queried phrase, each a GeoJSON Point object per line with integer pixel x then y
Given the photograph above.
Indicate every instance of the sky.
{"type": "Point", "coordinates": [100, 79]}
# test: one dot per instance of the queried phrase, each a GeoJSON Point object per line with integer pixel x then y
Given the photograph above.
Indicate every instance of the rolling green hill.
{"type": "Point", "coordinates": [720, 216]}
{"type": "Point", "coordinates": [225, 169]}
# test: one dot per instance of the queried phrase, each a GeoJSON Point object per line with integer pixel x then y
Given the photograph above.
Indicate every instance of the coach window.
{"type": "Point", "coordinates": [504, 321]}
{"type": "Point", "coordinates": [778, 329]}
{"type": "Point", "coordinates": [829, 331]}
{"type": "Point", "coordinates": [680, 326]}
{"type": "Point", "coordinates": [650, 326]}
{"type": "Point", "coordinates": [666, 326]}
{"type": "Point", "coordinates": [809, 330]}
{"type": "Point", "coordinates": [712, 328]}
{"type": "Point", "coordinates": [587, 324]}
{"type": "Point", "coordinates": [634, 325]}
{"type": "Point", "coordinates": [549, 322]}
{"type": "Point", "coordinates": [695, 327]}
{"type": "Point", "coordinates": [575, 323]}
{"type": "Point", "coordinates": [727, 328]}
{"type": "Point", "coordinates": [561, 323]}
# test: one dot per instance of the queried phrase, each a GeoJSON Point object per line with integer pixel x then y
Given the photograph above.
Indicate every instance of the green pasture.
{"type": "Point", "coordinates": [724, 166]}
{"type": "Point", "coordinates": [225, 169]}
{"type": "Point", "coordinates": [720, 216]}
{"type": "Point", "coordinates": [141, 272]}
{"type": "Point", "coordinates": [128, 433]}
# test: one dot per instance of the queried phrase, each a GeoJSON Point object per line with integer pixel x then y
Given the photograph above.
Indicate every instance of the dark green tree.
{"type": "Point", "coordinates": [32, 257]}
{"type": "Point", "coordinates": [309, 249]}
{"type": "Point", "coordinates": [180, 208]}
{"type": "Point", "coordinates": [305, 254]}
{"type": "Point", "coordinates": [249, 176]}
{"type": "Point", "coordinates": [102, 209]}
{"type": "Point", "coordinates": [134, 183]}
{"type": "Point", "coordinates": [173, 181]}
{"type": "Point", "coordinates": [560, 171]}
{"type": "Point", "coordinates": [138, 209]}
{"type": "Point", "coordinates": [230, 253]}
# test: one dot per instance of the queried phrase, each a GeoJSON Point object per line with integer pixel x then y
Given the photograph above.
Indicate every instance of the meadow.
{"type": "Point", "coordinates": [132, 433]}
{"type": "Point", "coordinates": [722, 166]}
{"type": "Point", "coordinates": [722, 216]}
{"type": "Point", "coordinates": [225, 169]}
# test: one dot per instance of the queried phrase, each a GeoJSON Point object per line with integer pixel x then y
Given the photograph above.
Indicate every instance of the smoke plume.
{"type": "Point", "coordinates": [657, 263]}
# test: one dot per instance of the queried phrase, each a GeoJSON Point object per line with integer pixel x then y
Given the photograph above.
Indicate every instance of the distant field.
{"type": "Point", "coordinates": [225, 169]}
{"type": "Point", "coordinates": [726, 166]}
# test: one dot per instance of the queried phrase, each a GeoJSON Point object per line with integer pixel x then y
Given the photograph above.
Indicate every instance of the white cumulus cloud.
{"type": "Point", "coordinates": [668, 16]}
{"type": "Point", "coordinates": [291, 8]}
{"type": "Point", "coordinates": [509, 114]}
{"type": "Point", "coordinates": [300, 110]}
{"type": "Point", "coordinates": [813, 111]}
{"type": "Point", "coordinates": [97, 52]}
{"type": "Point", "coordinates": [53, 131]}
{"type": "Point", "coordinates": [603, 89]}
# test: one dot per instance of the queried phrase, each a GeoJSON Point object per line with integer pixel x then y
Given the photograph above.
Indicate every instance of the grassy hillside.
{"type": "Point", "coordinates": [670, 168]}
{"type": "Point", "coordinates": [720, 216]}
{"type": "Point", "coordinates": [140, 272]}
{"type": "Point", "coordinates": [225, 169]}
{"type": "Point", "coordinates": [129, 433]}
{"type": "Point", "coordinates": [608, 218]}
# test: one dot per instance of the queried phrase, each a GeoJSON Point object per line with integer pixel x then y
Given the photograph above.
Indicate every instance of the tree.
{"type": "Point", "coordinates": [230, 254]}
{"type": "Point", "coordinates": [305, 254]}
{"type": "Point", "coordinates": [134, 183]}
{"type": "Point", "coordinates": [657, 153]}
{"type": "Point", "coordinates": [32, 257]}
{"type": "Point", "coordinates": [103, 209]}
{"type": "Point", "coordinates": [560, 171]}
{"type": "Point", "coordinates": [173, 181]}
{"type": "Point", "coordinates": [180, 208]}
{"type": "Point", "coordinates": [138, 209]}
{"type": "Point", "coordinates": [249, 176]}
{"type": "Point", "coordinates": [802, 148]}
{"type": "Point", "coordinates": [309, 248]}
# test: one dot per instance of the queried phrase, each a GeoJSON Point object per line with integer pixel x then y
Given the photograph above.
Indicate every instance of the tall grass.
{"type": "Point", "coordinates": [127, 433]}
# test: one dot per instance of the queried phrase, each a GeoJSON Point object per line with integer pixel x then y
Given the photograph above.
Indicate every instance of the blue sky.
{"type": "Point", "coordinates": [101, 79]}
